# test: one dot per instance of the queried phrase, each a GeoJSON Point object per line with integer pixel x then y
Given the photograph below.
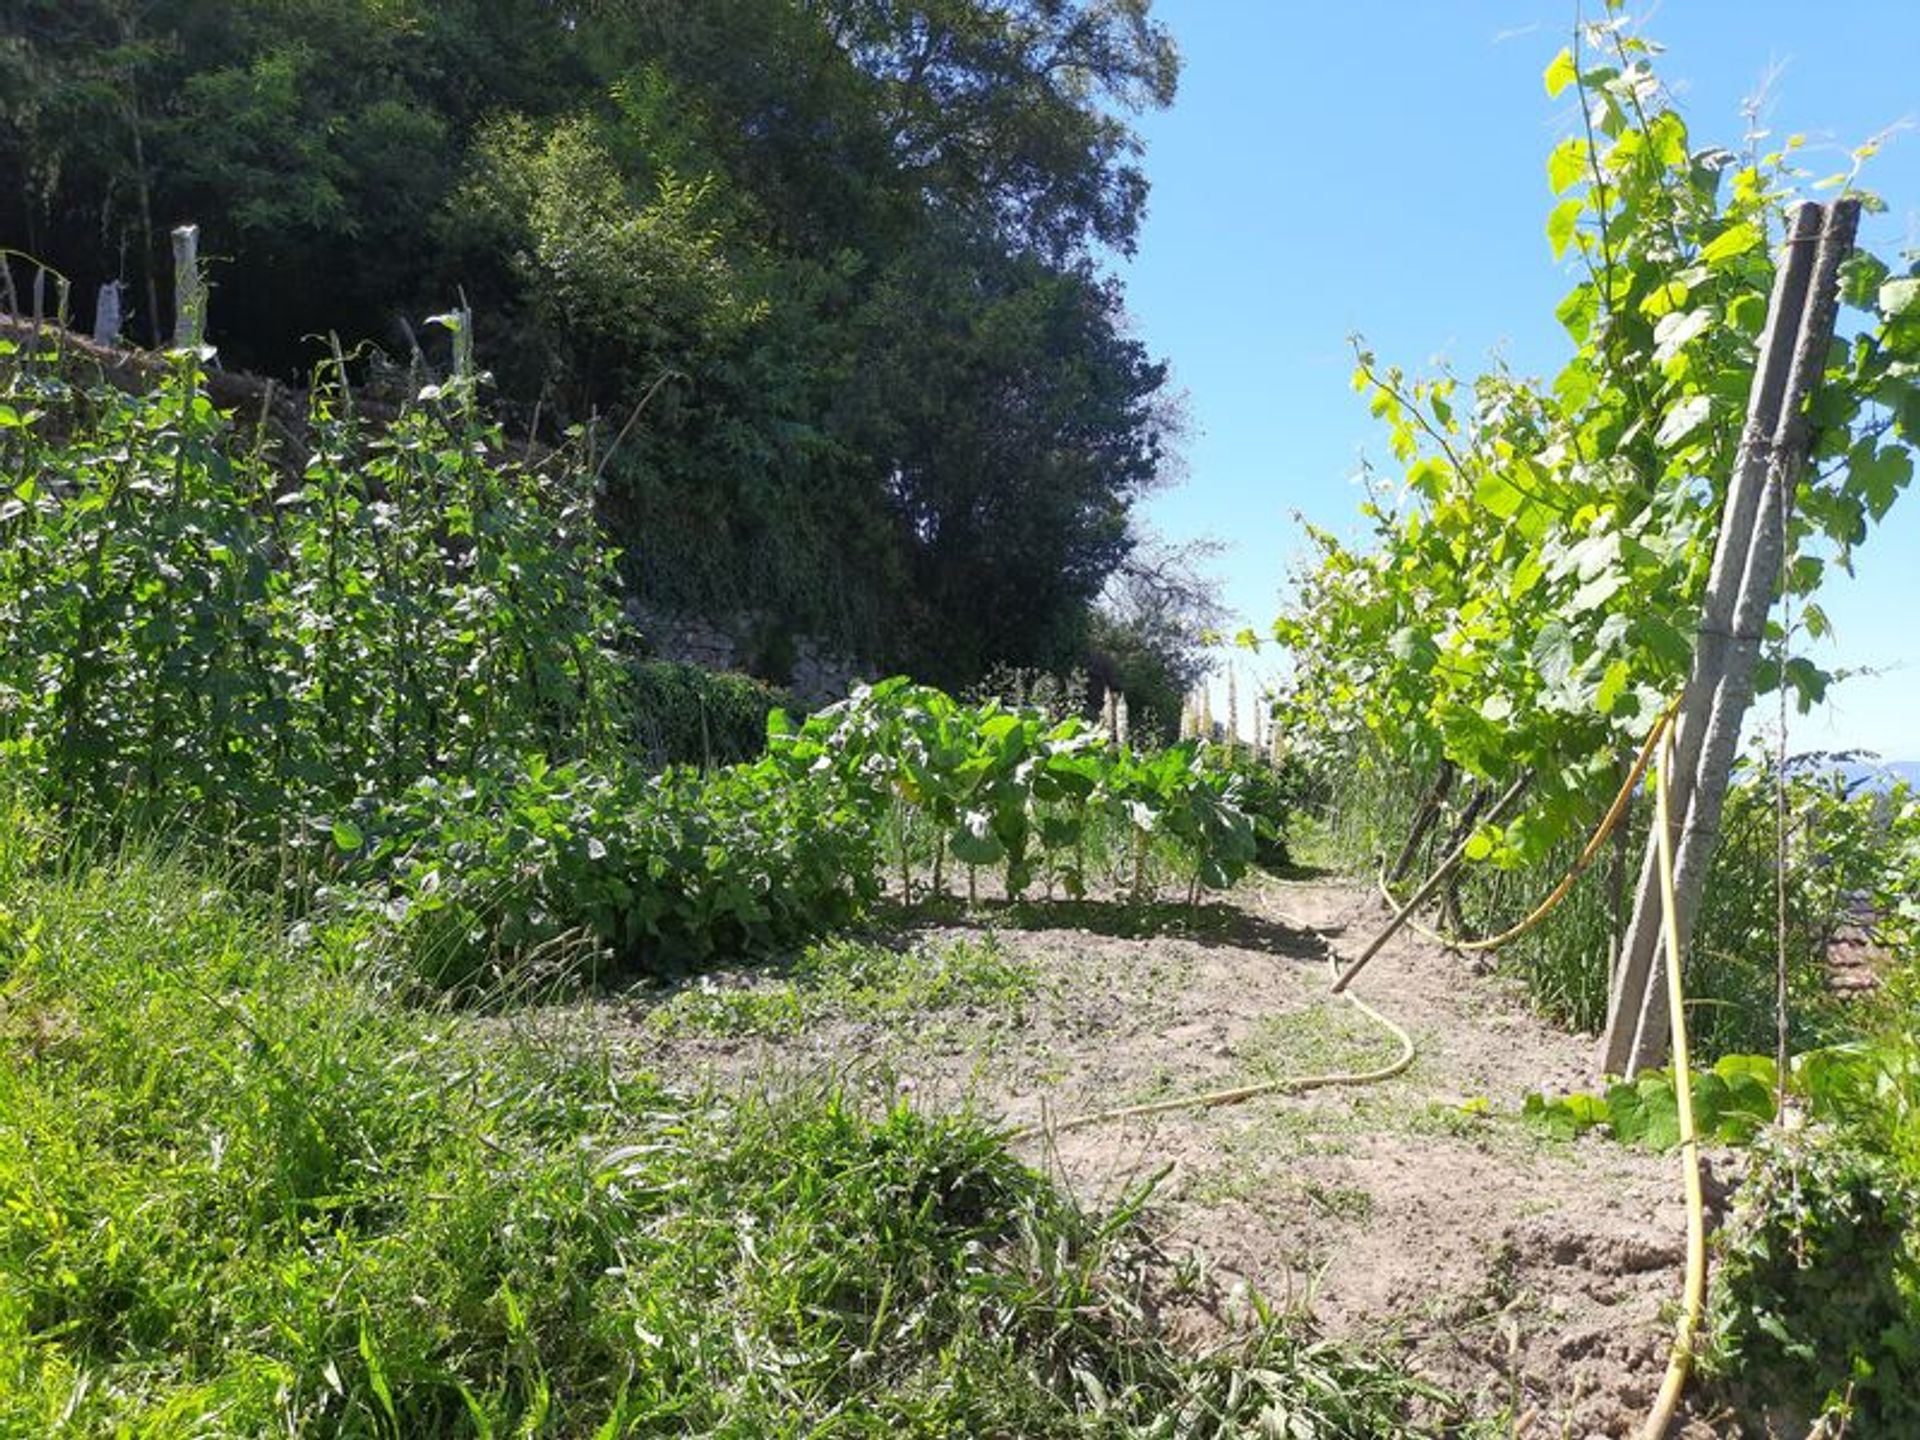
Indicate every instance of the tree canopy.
{"type": "Point", "coordinates": [853, 253]}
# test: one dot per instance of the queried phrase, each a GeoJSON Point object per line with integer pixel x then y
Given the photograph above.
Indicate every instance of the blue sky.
{"type": "Point", "coordinates": [1380, 168]}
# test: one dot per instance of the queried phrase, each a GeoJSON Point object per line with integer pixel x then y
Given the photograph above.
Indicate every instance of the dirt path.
{"type": "Point", "coordinates": [1535, 1276]}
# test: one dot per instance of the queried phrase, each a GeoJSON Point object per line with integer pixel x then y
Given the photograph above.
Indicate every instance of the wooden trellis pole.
{"type": "Point", "coordinates": [1740, 591]}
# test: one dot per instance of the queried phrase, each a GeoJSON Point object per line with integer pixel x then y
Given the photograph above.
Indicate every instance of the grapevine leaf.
{"type": "Point", "coordinates": [1733, 241]}
{"type": "Point", "coordinates": [1676, 330]}
{"type": "Point", "coordinates": [1682, 420]}
{"type": "Point", "coordinates": [1561, 222]}
{"type": "Point", "coordinates": [1560, 73]}
{"type": "Point", "coordinates": [1498, 494]}
{"type": "Point", "coordinates": [1566, 165]}
{"type": "Point", "coordinates": [1897, 297]}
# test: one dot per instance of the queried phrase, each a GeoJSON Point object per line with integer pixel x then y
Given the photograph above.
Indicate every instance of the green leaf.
{"type": "Point", "coordinates": [1682, 420]}
{"type": "Point", "coordinates": [347, 836]}
{"type": "Point", "coordinates": [1578, 311]}
{"type": "Point", "coordinates": [1612, 686]}
{"type": "Point", "coordinates": [1498, 495]}
{"type": "Point", "coordinates": [1897, 297]}
{"type": "Point", "coordinates": [1596, 592]}
{"type": "Point", "coordinates": [973, 842]}
{"type": "Point", "coordinates": [1734, 240]}
{"type": "Point", "coordinates": [1676, 330]}
{"type": "Point", "coordinates": [1560, 73]}
{"type": "Point", "coordinates": [1566, 165]}
{"type": "Point", "coordinates": [1561, 223]}
{"type": "Point", "coordinates": [1748, 312]}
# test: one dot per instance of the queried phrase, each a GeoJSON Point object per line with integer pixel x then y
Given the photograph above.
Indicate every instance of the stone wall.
{"type": "Point", "coordinates": [819, 675]}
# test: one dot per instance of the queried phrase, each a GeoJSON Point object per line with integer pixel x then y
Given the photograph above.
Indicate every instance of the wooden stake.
{"type": "Point", "coordinates": [1433, 883]}
{"type": "Point", "coordinates": [1746, 563]}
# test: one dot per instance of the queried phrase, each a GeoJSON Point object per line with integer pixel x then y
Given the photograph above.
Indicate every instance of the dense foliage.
{"type": "Point", "coordinates": [1016, 790]}
{"type": "Point", "coordinates": [685, 715]}
{"type": "Point", "coordinates": [848, 251]}
{"type": "Point", "coordinates": [398, 670]}
{"type": "Point", "coordinates": [1818, 1295]}
{"type": "Point", "coordinates": [1528, 599]}
{"type": "Point", "coordinates": [196, 634]}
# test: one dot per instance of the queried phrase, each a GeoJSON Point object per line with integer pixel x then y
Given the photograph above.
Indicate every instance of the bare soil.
{"type": "Point", "coordinates": [1537, 1277]}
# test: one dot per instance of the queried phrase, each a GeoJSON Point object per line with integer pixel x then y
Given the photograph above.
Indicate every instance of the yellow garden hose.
{"type": "Point", "coordinates": [1680, 1362]}
{"type": "Point", "coordinates": [1589, 852]}
{"type": "Point", "coordinates": [1287, 1085]}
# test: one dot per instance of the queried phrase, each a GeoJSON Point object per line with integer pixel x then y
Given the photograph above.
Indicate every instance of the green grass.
{"type": "Point", "coordinates": [244, 1191]}
{"type": "Point", "coordinates": [1318, 1038]}
{"type": "Point", "coordinates": [857, 980]}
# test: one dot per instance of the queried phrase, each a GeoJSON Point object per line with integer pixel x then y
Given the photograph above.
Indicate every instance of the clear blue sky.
{"type": "Point", "coordinates": [1379, 168]}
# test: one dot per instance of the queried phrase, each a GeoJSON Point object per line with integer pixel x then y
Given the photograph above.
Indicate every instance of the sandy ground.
{"type": "Point", "coordinates": [1538, 1277]}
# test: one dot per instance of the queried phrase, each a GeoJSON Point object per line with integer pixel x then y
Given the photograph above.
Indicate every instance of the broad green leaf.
{"type": "Point", "coordinates": [1682, 420]}
{"type": "Point", "coordinates": [1734, 240]}
{"type": "Point", "coordinates": [1560, 73]}
{"type": "Point", "coordinates": [1566, 165]}
{"type": "Point", "coordinates": [1677, 330]}
{"type": "Point", "coordinates": [1497, 494]}
{"type": "Point", "coordinates": [1612, 686]}
{"type": "Point", "coordinates": [1561, 223]}
{"type": "Point", "coordinates": [1897, 297]}
{"type": "Point", "coordinates": [347, 836]}
{"type": "Point", "coordinates": [1578, 311]}
{"type": "Point", "coordinates": [1596, 593]}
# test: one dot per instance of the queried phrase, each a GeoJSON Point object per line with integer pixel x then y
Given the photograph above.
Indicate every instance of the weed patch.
{"type": "Point", "coordinates": [858, 980]}
{"type": "Point", "coordinates": [242, 1192]}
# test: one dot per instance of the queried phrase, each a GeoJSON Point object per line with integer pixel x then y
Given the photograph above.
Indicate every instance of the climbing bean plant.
{"type": "Point", "coordinates": [200, 629]}
{"type": "Point", "coordinates": [1526, 597]}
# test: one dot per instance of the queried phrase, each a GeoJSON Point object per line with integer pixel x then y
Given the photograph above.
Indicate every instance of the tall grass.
{"type": "Point", "coordinates": [243, 1192]}
{"type": "Point", "coordinates": [1367, 809]}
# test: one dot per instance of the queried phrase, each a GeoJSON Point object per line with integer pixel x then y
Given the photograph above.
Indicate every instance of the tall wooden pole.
{"type": "Point", "coordinates": [1740, 592]}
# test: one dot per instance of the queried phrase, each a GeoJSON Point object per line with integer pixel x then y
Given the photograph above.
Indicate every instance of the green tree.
{"type": "Point", "coordinates": [847, 251]}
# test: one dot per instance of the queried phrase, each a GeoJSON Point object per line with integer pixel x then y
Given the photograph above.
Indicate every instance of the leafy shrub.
{"type": "Point", "coordinates": [1268, 793]}
{"type": "Point", "coordinates": [1732, 1102]}
{"type": "Point", "coordinates": [653, 870]}
{"type": "Point", "coordinates": [1817, 1302]}
{"type": "Point", "coordinates": [685, 715]}
{"type": "Point", "coordinates": [988, 786]}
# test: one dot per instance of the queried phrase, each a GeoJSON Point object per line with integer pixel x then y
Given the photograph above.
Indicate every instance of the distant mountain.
{"type": "Point", "coordinates": [1881, 774]}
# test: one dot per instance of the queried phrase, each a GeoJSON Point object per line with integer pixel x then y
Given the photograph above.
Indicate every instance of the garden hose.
{"type": "Point", "coordinates": [1286, 1085]}
{"type": "Point", "coordinates": [1588, 853]}
{"type": "Point", "coordinates": [1680, 1361]}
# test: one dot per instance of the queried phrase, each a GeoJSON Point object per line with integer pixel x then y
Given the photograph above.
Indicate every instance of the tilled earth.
{"type": "Point", "coordinates": [1536, 1276]}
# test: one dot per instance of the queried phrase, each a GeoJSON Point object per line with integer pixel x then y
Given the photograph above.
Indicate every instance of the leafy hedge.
{"type": "Point", "coordinates": [685, 715]}
{"type": "Point", "coordinates": [488, 873]}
